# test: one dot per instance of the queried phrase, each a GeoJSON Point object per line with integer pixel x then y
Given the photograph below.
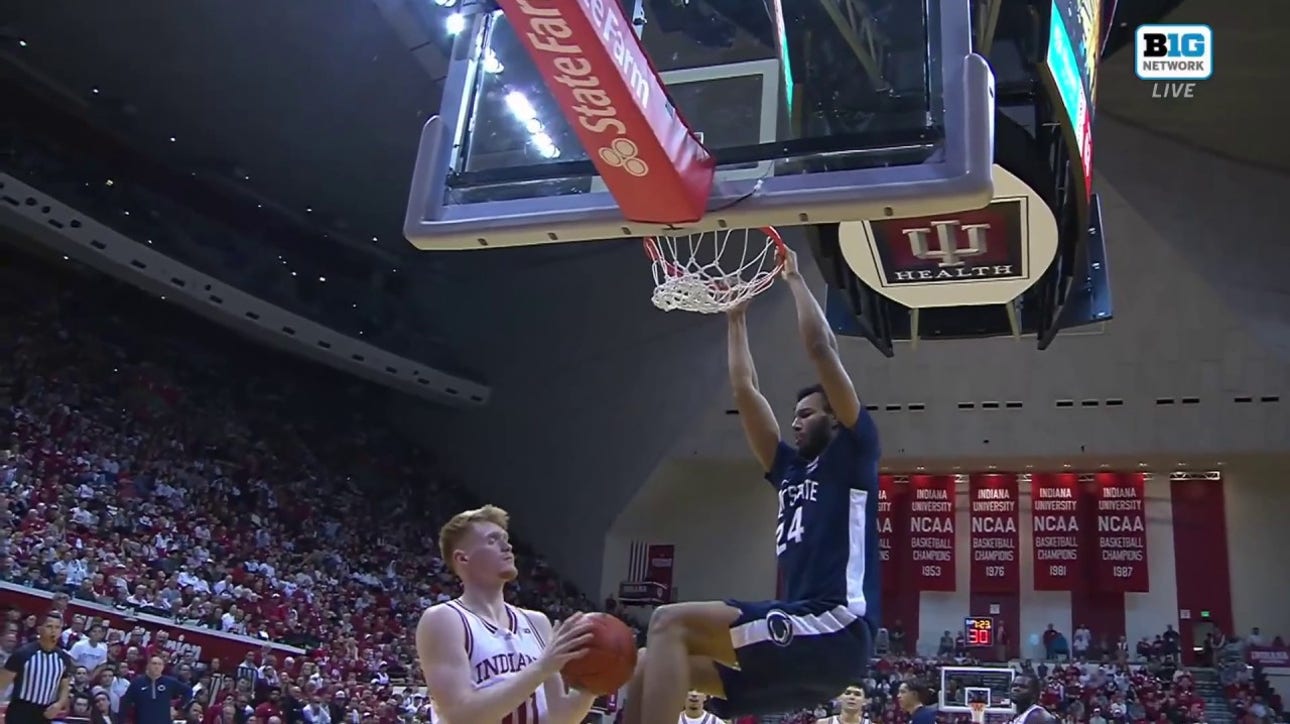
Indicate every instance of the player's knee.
{"type": "Point", "coordinates": [668, 619]}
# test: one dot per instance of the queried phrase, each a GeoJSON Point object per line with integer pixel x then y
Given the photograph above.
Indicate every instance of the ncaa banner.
{"type": "Point", "coordinates": [893, 521]}
{"type": "Point", "coordinates": [1121, 532]}
{"type": "Point", "coordinates": [1055, 528]}
{"type": "Point", "coordinates": [931, 531]}
{"type": "Point", "coordinates": [661, 557]}
{"type": "Point", "coordinates": [994, 516]}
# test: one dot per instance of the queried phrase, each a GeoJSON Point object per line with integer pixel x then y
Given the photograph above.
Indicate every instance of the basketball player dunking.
{"type": "Point", "coordinates": [762, 657]}
{"type": "Point", "coordinates": [485, 661]}
{"type": "Point", "coordinates": [693, 712]}
{"type": "Point", "coordinates": [1025, 697]}
{"type": "Point", "coordinates": [851, 704]}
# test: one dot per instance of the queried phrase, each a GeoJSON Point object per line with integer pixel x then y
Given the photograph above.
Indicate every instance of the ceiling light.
{"type": "Point", "coordinates": [22, 43]}
{"type": "Point", "coordinates": [172, 139]}
{"type": "Point", "coordinates": [322, 279]}
{"type": "Point", "coordinates": [309, 209]}
{"type": "Point", "coordinates": [1067, 466]}
{"type": "Point", "coordinates": [988, 467]}
{"type": "Point", "coordinates": [293, 273]}
{"type": "Point", "coordinates": [163, 297]}
{"type": "Point", "coordinates": [455, 23]}
{"type": "Point", "coordinates": [109, 182]}
{"type": "Point", "coordinates": [920, 467]}
{"type": "Point", "coordinates": [374, 239]}
{"type": "Point", "coordinates": [66, 258]}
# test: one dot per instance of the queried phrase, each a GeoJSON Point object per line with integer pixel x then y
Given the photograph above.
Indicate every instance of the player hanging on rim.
{"type": "Point", "coordinates": [761, 657]}
{"type": "Point", "coordinates": [486, 661]}
{"type": "Point", "coordinates": [851, 705]}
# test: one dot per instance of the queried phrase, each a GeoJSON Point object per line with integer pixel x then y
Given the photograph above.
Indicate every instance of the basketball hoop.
{"type": "Point", "coordinates": [713, 271]}
{"type": "Point", "coordinates": [978, 712]}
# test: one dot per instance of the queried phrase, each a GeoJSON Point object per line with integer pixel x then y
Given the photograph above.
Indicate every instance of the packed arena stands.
{"type": "Point", "coordinates": [163, 478]}
{"type": "Point", "coordinates": [165, 468]}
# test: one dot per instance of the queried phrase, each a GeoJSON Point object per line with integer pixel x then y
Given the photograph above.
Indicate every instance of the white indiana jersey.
{"type": "Point", "coordinates": [499, 653]}
{"type": "Point", "coordinates": [704, 718]}
{"type": "Point", "coordinates": [1020, 718]}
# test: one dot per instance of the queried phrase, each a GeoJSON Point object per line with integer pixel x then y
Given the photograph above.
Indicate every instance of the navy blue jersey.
{"type": "Point", "coordinates": [826, 535]}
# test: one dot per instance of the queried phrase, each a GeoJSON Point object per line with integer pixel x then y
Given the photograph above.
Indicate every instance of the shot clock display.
{"type": "Point", "coordinates": [978, 631]}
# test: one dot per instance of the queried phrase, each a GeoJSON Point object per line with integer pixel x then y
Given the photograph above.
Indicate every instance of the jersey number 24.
{"type": "Point", "coordinates": [793, 534]}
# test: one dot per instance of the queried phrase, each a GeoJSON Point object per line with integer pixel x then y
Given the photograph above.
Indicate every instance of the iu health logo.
{"type": "Point", "coordinates": [1173, 56]}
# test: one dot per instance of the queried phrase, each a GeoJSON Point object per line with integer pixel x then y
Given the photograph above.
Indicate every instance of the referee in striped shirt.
{"type": "Point", "coordinates": [41, 674]}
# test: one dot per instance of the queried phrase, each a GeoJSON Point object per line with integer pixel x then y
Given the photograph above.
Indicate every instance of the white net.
{"type": "Point", "coordinates": [713, 271]}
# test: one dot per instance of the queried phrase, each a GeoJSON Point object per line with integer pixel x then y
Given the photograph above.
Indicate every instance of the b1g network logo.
{"type": "Point", "coordinates": [1173, 57]}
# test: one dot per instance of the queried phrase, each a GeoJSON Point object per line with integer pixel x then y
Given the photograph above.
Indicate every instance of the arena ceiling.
{"type": "Point", "coordinates": [316, 105]}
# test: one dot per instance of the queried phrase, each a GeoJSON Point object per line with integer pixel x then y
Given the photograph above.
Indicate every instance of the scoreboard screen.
{"type": "Point", "coordinates": [978, 631]}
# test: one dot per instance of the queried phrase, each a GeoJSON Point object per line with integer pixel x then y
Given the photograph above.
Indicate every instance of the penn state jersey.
{"type": "Point", "coordinates": [497, 654]}
{"type": "Point", "coordinates": [826, 537]}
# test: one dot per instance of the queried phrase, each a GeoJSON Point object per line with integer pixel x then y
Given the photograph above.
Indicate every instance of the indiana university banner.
{"type": "Point", "coordinates": [994, 516]}
{"type": "Point", "coordinates": [1121, 532]}
{"type": "Point", "coordinates": [660, 557]}
{"type": "Point", "coordinates": [893, 522]}
{"type": "Point", "coordinates": [1056, 533]}
{"type": "Point", "coordinates": [931, 531]}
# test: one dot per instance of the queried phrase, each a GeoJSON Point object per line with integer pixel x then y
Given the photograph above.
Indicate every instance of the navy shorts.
{"type": "Point", "coordinates": [792, 655]}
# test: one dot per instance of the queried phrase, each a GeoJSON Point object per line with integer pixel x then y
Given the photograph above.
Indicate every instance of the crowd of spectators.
{"type": "Point", "coordinates": [181, 472]}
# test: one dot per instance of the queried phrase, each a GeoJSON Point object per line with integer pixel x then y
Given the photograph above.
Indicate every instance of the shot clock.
{"type": "Point", "coordinates": [978, 631]}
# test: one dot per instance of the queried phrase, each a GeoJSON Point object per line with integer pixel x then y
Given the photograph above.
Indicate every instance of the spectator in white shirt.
{"type": "Point", "coordinates": [317, 713]}
{"type": "Point", "coordinates": [91, 652]}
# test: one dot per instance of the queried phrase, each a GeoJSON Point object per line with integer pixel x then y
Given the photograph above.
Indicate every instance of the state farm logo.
{"type": "Point", "coordinates": [623, 153]}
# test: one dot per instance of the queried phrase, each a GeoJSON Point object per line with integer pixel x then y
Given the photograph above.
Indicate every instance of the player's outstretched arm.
{"type": "Point", "coordinates": [822, 346]}
{"type": "Point", "coordinates": [567, 706]}
{"type": "Point", "coordinates": [441, 649]}
{"type": "Point", "coordinates": [754, 411]}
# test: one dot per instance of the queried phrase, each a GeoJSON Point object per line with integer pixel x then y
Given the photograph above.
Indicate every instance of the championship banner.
{"type": "Point", "coordinates": [203, 643]}
{"type": "Point", "coordinates": [996, 542]}
{"type": "Point", "coordinates": [1055, 529]}
{"type": "Point", "coordinates": [660, 558]}
{"type": "Point", "coordinates": [893, 521]}
{"type": "Point", "coordinates": [931, 531]}
{"type": "Point", "coordinates": [1121, 532]}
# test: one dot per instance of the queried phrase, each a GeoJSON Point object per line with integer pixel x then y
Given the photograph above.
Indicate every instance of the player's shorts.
{"type": "Point", "coordinates": [792, 655]}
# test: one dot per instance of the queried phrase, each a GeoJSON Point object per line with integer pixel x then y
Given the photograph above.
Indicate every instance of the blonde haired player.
{"type": "Point", "coordinates": [851, 702]}
{"type": "Point", "coordinates": [486, 662]}
{"type": "Point", "coordinates": [693, 713]}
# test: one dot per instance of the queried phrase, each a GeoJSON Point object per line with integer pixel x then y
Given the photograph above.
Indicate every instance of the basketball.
{"type": "Point", "coordinates": [610, 659]}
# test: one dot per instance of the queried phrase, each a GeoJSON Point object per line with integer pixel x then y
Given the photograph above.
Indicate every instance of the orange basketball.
{"type": "Point", "coordinates": [610, 659]}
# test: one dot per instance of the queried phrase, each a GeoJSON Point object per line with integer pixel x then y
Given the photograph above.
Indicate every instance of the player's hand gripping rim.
{"type": "Point", "coordinates": [569, 639]}
{"type": "Point", "coordinates": [790, 263]}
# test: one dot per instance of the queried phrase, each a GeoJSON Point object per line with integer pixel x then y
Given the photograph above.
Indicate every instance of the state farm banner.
{"type": "Point", "coordinates": [994, 516]}
{"type": "Point", "coordinates": [659, 558]}
{"type": "Point", "coordinates": [204, 644]}
{"type": "Point", "coordinates": [931, 531]}
{"type": "Point", "coordinates": [893, 523]}
{"type": "Point", "coordinates": [1121, 532]}
{"type": "Point", "coordinates": [1056, 531]}
{"type": "Point", "coordinates": [595, 68]}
